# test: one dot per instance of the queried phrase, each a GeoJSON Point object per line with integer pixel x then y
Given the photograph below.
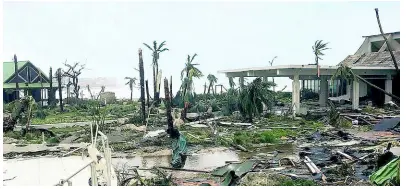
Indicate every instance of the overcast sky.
{"type": "Point", "coordinates": [106, 36]}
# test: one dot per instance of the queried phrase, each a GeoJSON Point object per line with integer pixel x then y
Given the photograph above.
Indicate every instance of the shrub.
{"type": "Point", "coordinates": [40, 113]}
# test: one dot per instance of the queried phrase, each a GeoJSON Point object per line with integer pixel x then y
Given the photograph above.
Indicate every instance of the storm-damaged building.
{"type": "Point", "coordinates": [372, 61]}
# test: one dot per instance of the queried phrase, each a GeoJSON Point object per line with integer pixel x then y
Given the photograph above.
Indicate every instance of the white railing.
{"type": "Point", "coordinates": [94, 154]}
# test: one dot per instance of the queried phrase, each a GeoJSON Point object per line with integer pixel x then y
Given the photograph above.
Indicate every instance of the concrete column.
{"type": "Point", "coordinates": [265, 79]}
{"type": "Point", "coordinates": [349, 90]}
{"type": "Point", "coordinates": [323, 94]}
{"type": "Point", "coordinates": [241, 81]}
{"type": "Point", "coordinates": [355, 94]}
{"type": "Point", "coordinates": [296, 94]}
{"type": "Point", "coordinates": [389, 88]}
{"type": "Point", "coordinates": [274, 87]}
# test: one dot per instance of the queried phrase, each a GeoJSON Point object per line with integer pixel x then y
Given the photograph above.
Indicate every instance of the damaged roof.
{"type": "Point", "coordinates": [372, 59]}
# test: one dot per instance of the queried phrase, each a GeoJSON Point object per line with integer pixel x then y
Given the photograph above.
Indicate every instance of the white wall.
{"type": "Point", "coordinates": [362, 89]}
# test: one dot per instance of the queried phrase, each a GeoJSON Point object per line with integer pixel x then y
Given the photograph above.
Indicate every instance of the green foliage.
{"type": "Point", "coordinates": [40, 113]}
{"type": "Point", "coordinates": [81, 112]}
{"type": "Point", "coordinates": [274, 135]}
{"type": "Point", "coordinates": [318, 48]}
{"type": "Point", "coordinates": [271, 136]}
{"type": "Point", "coordinates": [191, 71]}
{"type": "Point", "coordinates": [343, 72]}
{"type": "Point", "coordinates": [371, 110]}
{"type": "Point", "coordinates": [253, 96]}
{"type": "Point", "coordinates": [334, 117]}
{"type": "Point", "coordinates": [345, 123]}
{"type": "Point", "coordinates": [284, 97]}
{"type": "Point", "coordinates": [29, 137]}
{"type": "Point", "coordinates": [296, 182]}
{"type": "Point", "coordinates": [52, 140]}
{"type": "Point", "coordinates": [136, 119]}
{"type": "Point", "coordinates": [64, 130]}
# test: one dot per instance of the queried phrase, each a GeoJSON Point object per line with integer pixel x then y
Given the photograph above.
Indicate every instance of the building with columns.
{"type": "Point", "coordinates": [372, 61]}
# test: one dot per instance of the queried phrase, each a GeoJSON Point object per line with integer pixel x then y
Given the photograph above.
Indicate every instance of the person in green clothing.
{"type": "Point", "coordinates": [179, 148]}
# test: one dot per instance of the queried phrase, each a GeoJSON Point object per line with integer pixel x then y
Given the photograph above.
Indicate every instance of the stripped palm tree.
{"type": "Point", "coordinates": [212, 80]}
{"type": "Point", "coordinates": [318, 48]}
{"type": "Point", "coordinates": [190, 71]}
{"type": "Point", "coordinates": [156, 55]}
{"type": "Point", "coordinates": [132, 84]}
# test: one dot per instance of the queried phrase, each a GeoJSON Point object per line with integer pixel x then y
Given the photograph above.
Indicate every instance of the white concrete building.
{"type": "Point", "coordinates": [372, 61]}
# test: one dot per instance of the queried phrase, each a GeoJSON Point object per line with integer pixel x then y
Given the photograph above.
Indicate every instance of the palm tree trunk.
{"type": "Point", "coordinates": [59, 78]}
{"type": "Point", "coordinates": [131, 94]}
{"type": "Point", "coordinates": [209, 88]}
{"type": "Point", "coordinates": [376, 87]}
{"type": "Point", "coordinates": [204, 88]}
{"type": "Point", "coordinates": [147, 95]}
{"type": "Point", "coordinates": [41, 93]}
{"type": "Point", "coordinates": [157, 95]}
{"type": "Point", "coordinates": [16, 73]}
{"type": "Point", "coordinates": [141, 68]}
{"type": "Point", "coordinates": [168, 105]}
{"type": "Point", "coordinates": [29, 116]}
{"type": "Point", "coordinates": [385, 39]}
{"type": "Point", "coordinates": [154, 82]}
{"type": "Point", "coordinates": [184, 111]}
{"type": "Point", "coordinates": [171, 91]}
{"type": "Point", "coordinates": [50, 95]}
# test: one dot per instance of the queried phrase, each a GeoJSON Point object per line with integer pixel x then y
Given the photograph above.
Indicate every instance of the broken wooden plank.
{"type": "Point", "coordinates": [367, 122]}
{"type": "Point", "coordinates": [202, 121]}
{"type": "Point", "coordinates": [186, 170]}
{"type": "Point", "coordinates": [311, 168]}
{"type": "Point", "coordinates": [345, 155]}
{"type": "Point", "coordinates": [239, 147]}
{"type": "Point", "coordinates": [314, 168]}
{"type": "Point", "coordinates": [232, 124]}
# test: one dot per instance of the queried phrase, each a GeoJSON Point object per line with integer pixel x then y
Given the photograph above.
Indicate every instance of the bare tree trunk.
{"type": "Point", "coordinates": [41, 95]}
{"type": "Point", "coordinates": [205, 88]}
{"type": "Point", "coordinates": [385, 39]}
{"type": "Point", "coordinates": [147, 95]}
{"type": "Point", "coordinates": [29, 114]}
{"type": "Point", "coordinates": [131, 95]}
{"type": "Point", "coordinates": [16, 73]}
{"type": "Point", "coordinates": [168, 105]}
{"type": "Point", "coordinates": [59, 78]}
{"type": "Point", "coordinates": [50, 91]}
{"type": "Point", "coordinates": [68, 86]}
{"type": "Point", "coordinates": [76, 86]}
{"type": "Point", "coordinates": [154, 84]}
{"type": "Point", "coordinates": [157, 94]}
{"type": "Point", "coordinates": [209, 88]}
{"type": "Point", "coordinates": [141, 68]}
{"type": "Point", "coordinates": [171, 96]}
